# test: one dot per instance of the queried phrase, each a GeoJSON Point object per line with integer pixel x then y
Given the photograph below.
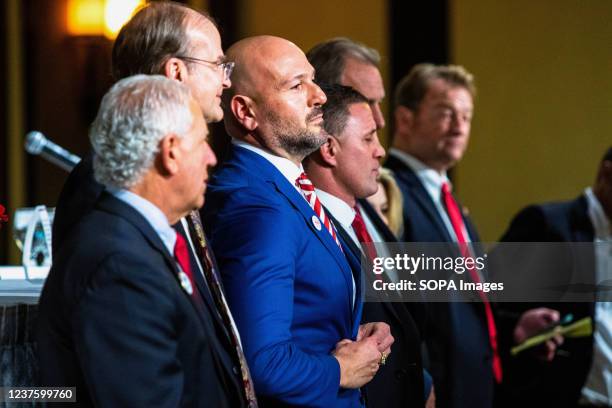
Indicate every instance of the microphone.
{"type": "Point", "coordinates": [37, 144]}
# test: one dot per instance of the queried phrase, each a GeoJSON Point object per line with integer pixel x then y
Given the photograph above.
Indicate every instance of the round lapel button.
{"type": "Point", "coordinates": [316, 222]}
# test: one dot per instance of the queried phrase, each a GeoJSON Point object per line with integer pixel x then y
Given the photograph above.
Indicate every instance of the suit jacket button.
{"type": "Point", "coordinates": [235, 370]}
{"type": "Point", "coordinates": [400, 374]}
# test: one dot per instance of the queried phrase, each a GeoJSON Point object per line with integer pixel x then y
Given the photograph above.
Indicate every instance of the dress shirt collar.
{"type": "Point", "coordinates": [287, 168]}
{"type": "Point", "coordinates": [431, 179]}
{"type": "Point", "coordinates": [599, 219]}
{"type": "Point", "coordinates": [154, 216]}
{"type": "Point", "coordinates": [338, 208]}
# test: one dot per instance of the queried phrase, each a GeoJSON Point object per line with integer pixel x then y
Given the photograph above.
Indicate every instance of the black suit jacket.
{"type": "Point", "coordinates": [457, 339]}
{"type": "Point", "coordinates": [115, 322]}
{"type": "Point", "coordinates": [399, 383]}
{"type": "Point", "coordinates": [558, 383]}
{"type": "Point", "coordinates": [78, 196]}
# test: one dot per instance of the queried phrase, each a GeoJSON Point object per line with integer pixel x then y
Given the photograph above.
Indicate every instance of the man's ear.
{"type": "Point", "coordinates": [404, 119]}
{"type": "Point", "coordinates": [242, 108]}
{"type": "Point", "coordinates": [169, 154]}
{"type": "Point", "coordinates": [175, 68]}
{"type": "Point", "coordinates": [329, 151]}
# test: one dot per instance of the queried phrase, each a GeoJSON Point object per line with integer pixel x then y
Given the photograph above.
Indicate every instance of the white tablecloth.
{"type": "Point", "coordinates": [21, 285]}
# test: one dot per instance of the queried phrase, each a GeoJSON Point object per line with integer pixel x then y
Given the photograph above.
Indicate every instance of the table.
{"type": "Point", "coordinates": [21, 285]}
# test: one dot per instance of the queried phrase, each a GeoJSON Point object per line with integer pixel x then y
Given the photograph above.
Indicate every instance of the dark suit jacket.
{"type": "Point", "coordinates": [399, 383]}
{"type": "Point", "coordinates": [456, 333]}
{"type": "Point", "coordinates": [115, 322]}
{"type": "Point", "coordinates": [77, 198]}
{"type": "Point", "coordinates": [558, 383]}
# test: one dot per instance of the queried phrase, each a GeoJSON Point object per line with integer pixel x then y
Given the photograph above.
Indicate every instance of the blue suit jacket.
{"type": "Point", "coordinates": [456, 333]}
{"type": "Point", "coordinates": [288, 284]}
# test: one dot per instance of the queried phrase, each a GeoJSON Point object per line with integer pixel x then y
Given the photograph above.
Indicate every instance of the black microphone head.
{"type": "Point", "coordinates": [35, 142]}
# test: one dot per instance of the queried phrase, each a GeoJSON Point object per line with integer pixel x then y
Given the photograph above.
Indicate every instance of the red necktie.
{"type": "Point", "coordinates": [459, 227]}
{"type": "Point", "coordinates": [362, 234]}
{"type": "Point", "coordinates": [182, 257]}
{"type": "Point", "coordinates": [308, 191]}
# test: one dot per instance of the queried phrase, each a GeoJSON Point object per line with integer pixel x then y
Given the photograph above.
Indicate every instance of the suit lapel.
{"type": "Point", "coordinates": [222, 358]}
{"type": "Point", "coordinates": [379, 224]}
{"type": "Point", "coordinates": [271, 175]}
{"type": "Point", "coordinates": [407, 177]}
{"type": "Point", "coordinates": [358, 255]}
{"type": "Point", "coordinates": [298, 201]}
{"type": "Point", "coordinates": [353, 256]}
{"type": "Point", "coordinates": [410, 180]}
{"type": "Point", "coordinates": [205, 291]}
{"type": "Point", "coordinates": [109, 203]}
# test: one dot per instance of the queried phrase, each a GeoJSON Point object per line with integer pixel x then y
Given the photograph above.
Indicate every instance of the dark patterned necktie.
{"type": "Point", "coordinates": [216, 290]}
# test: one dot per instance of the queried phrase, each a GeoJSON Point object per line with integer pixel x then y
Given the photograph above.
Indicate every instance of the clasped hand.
{"type": "Point", "coordinates": [360, 359]}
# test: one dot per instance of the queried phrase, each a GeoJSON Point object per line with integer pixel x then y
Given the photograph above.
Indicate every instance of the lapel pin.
{"type": "Point", "coordinates": [316, 222]}
{"type": "Point", "coordinates": [185, 283]}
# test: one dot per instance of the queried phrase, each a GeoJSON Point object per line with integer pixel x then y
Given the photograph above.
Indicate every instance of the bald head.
{"type": "Point", "coordinates": [260, 62]}
{"type": "Point", "coordinates": [274, 102]}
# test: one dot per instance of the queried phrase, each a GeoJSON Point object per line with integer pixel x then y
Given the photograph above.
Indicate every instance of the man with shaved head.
{"type": "Point", "coordinates": [294, 290]}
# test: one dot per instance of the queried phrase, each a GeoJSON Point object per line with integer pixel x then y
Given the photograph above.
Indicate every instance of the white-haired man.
{"type": "Point", "coordinates": [120, 315]}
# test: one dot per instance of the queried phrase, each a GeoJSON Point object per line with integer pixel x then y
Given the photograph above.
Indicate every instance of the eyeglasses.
{"type": "Point", "coordinates": [226, 66]}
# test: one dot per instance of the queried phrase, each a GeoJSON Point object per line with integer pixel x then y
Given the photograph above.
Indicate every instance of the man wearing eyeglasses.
{"type": "Point", "coordinates": [167, 39]}
{"type": "Point", "coordinates": [172, 40]}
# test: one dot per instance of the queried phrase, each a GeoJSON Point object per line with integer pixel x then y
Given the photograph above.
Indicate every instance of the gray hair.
{"type": "Point", "coordinates": [134, 116]}
{"type": "Point", "coordinates": [329, 57]}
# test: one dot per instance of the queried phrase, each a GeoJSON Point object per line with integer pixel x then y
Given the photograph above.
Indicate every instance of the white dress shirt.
{"type": "Point", "coordinates": [598, 386]}
{"type": "Point", "coordinates": [154, 216]}
{"type": "Point", "coordinates": [287, 168]}
{"type": "Point", "coordinates": [432, 180]}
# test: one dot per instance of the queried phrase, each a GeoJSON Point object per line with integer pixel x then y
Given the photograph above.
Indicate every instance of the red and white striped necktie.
{"type": "Point", "coordinates": [308, 191]}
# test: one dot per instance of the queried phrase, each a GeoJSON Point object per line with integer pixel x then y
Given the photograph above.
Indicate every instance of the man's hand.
{"type": "Point", "coordinates": [381, 332]}
{"type": "Point", "coordinates": [358, 361]}
{"type": "Point", "coordinates": [431, 400]}
{"type": "Point", "coordinates": [534, 321]}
